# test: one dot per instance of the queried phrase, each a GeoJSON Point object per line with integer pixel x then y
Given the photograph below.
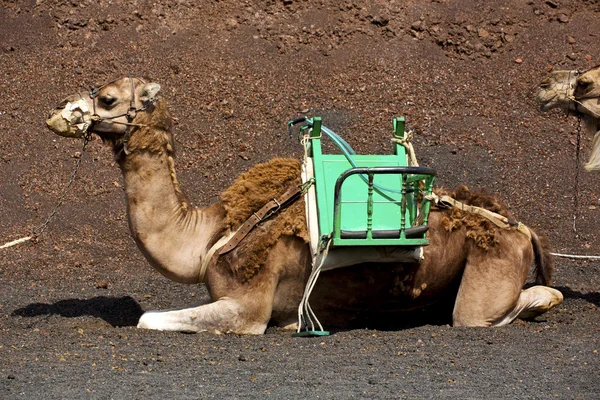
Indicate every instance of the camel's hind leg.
{"type": "Point", "coordinates": [490, 291]}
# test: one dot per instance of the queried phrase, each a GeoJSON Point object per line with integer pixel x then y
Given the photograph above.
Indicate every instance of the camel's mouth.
{"type": "Point", "coordinates": [546, 102]}
{"type": "Point", "coordinates": [71, 119]}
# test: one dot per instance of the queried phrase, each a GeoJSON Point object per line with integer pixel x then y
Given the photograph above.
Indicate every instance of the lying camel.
{"type": "Point", "coordinates": [578, 93]}
{"type": "Point", "coordinates": [470, 264]}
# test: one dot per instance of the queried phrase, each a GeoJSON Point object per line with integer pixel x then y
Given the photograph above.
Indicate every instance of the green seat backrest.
{"type": "Point", "coordinates": [387, 205]}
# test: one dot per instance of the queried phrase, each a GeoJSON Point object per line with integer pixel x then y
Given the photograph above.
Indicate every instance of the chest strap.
{"type": "Point", "coordinates": [265, 212]}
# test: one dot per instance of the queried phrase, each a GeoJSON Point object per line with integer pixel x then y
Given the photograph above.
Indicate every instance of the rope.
{"type": "Point", "coordinates": [209, 255]}
{"type": "Point", "coordinates": [576, 256]}
{"type": "Point", "coordinates": [406, 141]}
{"type": "Point", "coordinates": [498, 220]}
{"type": "Point", "coordinates": [16, 242]}
{"type": "Point", "coordinates": [304, 309]}
{"type": "Point", "coordinates": [576, 188]}
{"type": "Point", "coordinates": [38, 231]}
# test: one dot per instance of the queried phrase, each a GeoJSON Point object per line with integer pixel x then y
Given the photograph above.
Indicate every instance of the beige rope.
{"type": "Point", "coordinates": [576, 256]}
{"type": "Point", "coordinates": [410, 151]}
{"type": "Point", "coordinates": [209, 255]}
{"type": "Point", "coordinates": [499, 220]}
{"type": "Point", "coordinates": [16, 242]}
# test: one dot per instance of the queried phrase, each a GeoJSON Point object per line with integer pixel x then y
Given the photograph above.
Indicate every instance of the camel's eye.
{"type": "Point", "coordinates": [108, 100]}
{"type": "Point", "coordinates": [582, 85]}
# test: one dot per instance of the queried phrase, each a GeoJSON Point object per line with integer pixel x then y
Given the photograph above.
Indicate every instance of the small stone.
{"type": "Point", "coordinates": [380, 20]}
{"type": "Point", "coordinates": [231, 22]}
{"type": "Point", "coordinates": [564, 18]}
{"type": "Point", "coordinates": [418, 26]}
{"type": "Point", "coordinates": [102, 285]}
{"type": "Point", "coordinates": [571, 39]}
{"type": "Point", "coordinates": [482, 33]}
{"type": "Point", "coordinates": [519, 60]}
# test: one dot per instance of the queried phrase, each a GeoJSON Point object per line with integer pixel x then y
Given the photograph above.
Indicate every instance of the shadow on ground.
{"type": "Point", "coordinates": [117, 311]}
{"type": "Point", "coordinates": [569, 293]}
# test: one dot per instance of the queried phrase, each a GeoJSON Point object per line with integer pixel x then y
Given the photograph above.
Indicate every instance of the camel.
{"type": "Point", "coordinates": [578, 93]}
{"type": "Point", "coordinates": [471, 268]}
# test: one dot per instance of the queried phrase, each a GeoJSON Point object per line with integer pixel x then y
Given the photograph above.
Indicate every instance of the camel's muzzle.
{"type": "Point", "coordinates": [73, 121]}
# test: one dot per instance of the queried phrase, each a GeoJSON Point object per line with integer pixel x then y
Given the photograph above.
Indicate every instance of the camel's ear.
{"type": "Point", "coordinates": [149, 92]}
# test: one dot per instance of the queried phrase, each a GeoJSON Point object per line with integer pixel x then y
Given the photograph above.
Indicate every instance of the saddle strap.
{"type": "Point", "coordinates": [498, 220]}
{"type": "Point", "coordinates": [265, 212]}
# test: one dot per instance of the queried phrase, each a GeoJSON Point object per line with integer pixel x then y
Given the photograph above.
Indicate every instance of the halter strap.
{"type": "Point", "coordinates": [130, 114]}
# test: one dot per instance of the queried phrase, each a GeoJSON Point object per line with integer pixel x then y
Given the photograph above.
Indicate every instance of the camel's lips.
{"type": "Point", "coordinates": [73, 120]}
{"type": "Point", "coordinates": [57, 124]}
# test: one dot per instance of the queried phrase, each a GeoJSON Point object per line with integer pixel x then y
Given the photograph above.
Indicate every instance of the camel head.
{"type": "Point", "coordinates": [571, 91]}
{"type": "Point", "coordinates": [578, 93]}
{"type": "Point", "coordinates": [109, 110]}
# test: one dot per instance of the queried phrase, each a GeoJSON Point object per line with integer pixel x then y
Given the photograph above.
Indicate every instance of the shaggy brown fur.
{"type": "Point", "coordinates": [248, 194]}
{"type": "Point", "coordinates": [153, 137]}
{"type": "Point", "coordinates": [266, 181]}
{"type": "Point", "coordinates": [479, 229]}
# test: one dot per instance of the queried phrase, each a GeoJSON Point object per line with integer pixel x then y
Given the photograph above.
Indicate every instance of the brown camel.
{"type": "Point", "coordinates": [472, 266]}
{"type": "Point", "coordinates": [577, 93]}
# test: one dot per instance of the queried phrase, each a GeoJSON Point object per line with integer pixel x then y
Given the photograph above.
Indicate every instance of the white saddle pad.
{"type": "Point", "coordinates": [339, 257]}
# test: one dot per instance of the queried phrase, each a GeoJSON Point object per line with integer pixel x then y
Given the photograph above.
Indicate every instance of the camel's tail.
{"type": "Point", "coordinates": [544, 264]}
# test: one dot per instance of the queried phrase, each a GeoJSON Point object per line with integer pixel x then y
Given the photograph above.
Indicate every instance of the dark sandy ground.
{"type": "Point", "coordinates": [462, 72]}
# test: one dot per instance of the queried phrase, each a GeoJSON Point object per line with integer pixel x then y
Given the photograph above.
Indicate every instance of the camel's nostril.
{"type": "Point", "coordinates": [62, 104]}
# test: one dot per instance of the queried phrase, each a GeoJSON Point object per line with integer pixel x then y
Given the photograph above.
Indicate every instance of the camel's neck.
{"type": "Point", "coordinates": [593, 126]}
{"type": "Point", "coordinates": [173, 236]}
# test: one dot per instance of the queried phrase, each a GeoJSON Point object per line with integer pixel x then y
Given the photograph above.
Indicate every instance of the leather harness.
{"type": "Point", "coordinates": [272, 207]}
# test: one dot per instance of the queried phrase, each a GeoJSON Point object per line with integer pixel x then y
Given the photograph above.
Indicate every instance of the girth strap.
{"type": "Point", "coordinates": [265, 212]}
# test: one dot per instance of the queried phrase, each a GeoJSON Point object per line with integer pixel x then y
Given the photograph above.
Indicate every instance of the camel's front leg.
{"type": "Point", "coordinates": [226, 315]}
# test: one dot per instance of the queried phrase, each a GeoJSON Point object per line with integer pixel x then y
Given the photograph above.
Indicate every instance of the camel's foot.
{"type": "Point", "coordinates": [533, 302]}
{"type": "Point", "coordinates": [539, 300]}
{"type": "Point", "coordinates": [162, 321]}
{"type": "Point", "coordinates": [291, 327]}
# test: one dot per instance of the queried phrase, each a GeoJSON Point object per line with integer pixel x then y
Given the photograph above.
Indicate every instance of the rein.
{"type": "Point", "coordinates": [86, 132]}
{"type": "Point", "coordinates": [36, 232]}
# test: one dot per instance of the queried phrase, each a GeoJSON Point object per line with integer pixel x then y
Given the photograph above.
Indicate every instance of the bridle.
{"type": "Point", "coordinates": [578, 104]}
{"type": "Point", "coordinates": [131, 111]}
{"type": "Point", "coordinates": [130, 114]}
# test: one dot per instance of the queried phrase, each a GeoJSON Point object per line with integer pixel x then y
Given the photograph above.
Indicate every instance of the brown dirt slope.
{"type": "Point", "coordinates": [461, 71]}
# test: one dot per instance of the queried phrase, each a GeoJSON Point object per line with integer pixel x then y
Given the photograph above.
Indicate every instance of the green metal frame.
{"type": "Point", "coordinates": [375, 203]}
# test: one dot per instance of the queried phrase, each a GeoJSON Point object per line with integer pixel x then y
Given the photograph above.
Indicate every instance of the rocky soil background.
{"type": "Point", "coordinates": [462, 73]}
